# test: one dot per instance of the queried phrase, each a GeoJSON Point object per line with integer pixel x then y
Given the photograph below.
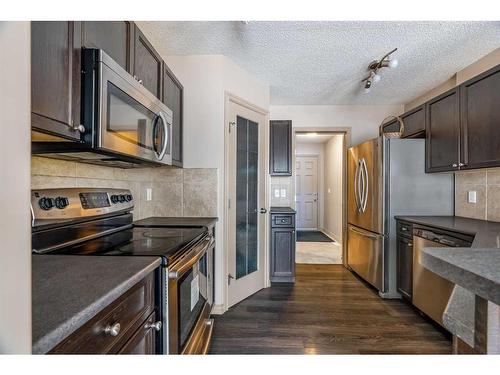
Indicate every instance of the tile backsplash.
{"type": "Point", "coordinates": [175, 192]}
{"type": "Point", "coordinates": [486, 184]}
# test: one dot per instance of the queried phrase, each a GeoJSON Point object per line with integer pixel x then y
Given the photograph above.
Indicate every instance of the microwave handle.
{"type": "Point", "coordinates": [166, 131]}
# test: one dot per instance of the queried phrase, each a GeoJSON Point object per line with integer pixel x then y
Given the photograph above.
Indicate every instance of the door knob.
{"type": "Point", "coordinates": [263, 210]}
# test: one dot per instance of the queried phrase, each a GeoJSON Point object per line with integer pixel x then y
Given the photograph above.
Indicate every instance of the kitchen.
{"type": "Point", "coordinates": [137, 132]}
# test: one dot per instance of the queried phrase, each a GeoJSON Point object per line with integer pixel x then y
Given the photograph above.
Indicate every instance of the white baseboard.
{"type": "Point", "coordinates": [218, 310]}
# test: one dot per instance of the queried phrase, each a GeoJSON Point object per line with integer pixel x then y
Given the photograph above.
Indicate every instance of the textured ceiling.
{"type": "Point", "coordinates": [323, 62]}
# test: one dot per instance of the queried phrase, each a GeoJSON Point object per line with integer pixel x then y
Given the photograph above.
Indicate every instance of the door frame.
{"type": "Point", "coordinates": [319, 197]}
{"type": "Point", "coordinates": [346, 131]}
{"type": "Point", "coordinates": [231, 98]}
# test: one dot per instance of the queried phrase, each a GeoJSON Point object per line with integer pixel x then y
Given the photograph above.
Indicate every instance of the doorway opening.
{"type": "Point", "coordinates": [319, 196]}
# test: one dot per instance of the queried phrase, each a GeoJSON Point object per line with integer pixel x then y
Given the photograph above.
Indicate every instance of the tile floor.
{"type": "Point", "coordinates": [318, 253]}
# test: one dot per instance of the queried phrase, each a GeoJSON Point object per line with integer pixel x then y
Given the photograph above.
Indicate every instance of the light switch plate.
{"type": "Point", "coordinates": [283, 193]}
{"type": "Point", "coordinates": [472, 196]}
{"type": "Point", "coordinates": [149, 194]}
{"type": "Point", "coordinates": [276, 193]}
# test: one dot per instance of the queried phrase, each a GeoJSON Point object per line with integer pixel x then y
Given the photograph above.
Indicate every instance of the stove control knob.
{"type": "Point", "coordinates": [46, 203]}
{"type": "Point", "coordinates": [61, 202]}
{"type": "Point", "coordinates": [128, 198]}
{"type": "Point", "coordinates": [114, 198]}
{"type": "Point", "coordinates": [122, 198]}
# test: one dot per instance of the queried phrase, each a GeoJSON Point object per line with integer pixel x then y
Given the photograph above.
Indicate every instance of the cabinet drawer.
{"type": "Point", "coordinates": [129, 311]}
{"type": "Point", "coordinates": [404, 229]}
{"type": "Point", "coordinates": [283, 220]}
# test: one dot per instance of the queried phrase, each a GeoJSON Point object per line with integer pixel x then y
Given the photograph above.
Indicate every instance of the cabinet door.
{"type": "Point", "coordinates": [480, 118]}
{"type": "Point", "coordinates": [114, 37]}
{"type": "Point", "coordinates": [172, 97]}
{"type": "Point", "coordinates": [442, 132]}
{"type": "Point", "coordinates": [147, 64]}
{"type": "Point", "coordinates": [55, 78]}
{"type": "Point", "coordinates": [143, 341]}
{"type": "Point", "coordinates": [283, 254]}
{"type": "Point", "coordinates": [405, 267]}
{"type": "Point", "coordinates": [414, 122]}
{"type": "Point", "coordinates": [280, 148]}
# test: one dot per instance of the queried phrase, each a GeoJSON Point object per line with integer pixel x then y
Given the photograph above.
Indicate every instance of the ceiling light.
{"type": "Point", "coordinates": [393, 63]}
{"type": "Point", "coordinates": [374, 67]}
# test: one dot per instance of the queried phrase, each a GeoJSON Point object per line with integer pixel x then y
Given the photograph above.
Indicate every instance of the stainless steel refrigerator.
{"type": "Point", "coordinates": [386, 178]}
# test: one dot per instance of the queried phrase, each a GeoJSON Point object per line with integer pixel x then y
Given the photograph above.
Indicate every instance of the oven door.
{"type": "Point", "coordinates": [189, 301]}
{"type": "Point", "coordinates": [131, 120]}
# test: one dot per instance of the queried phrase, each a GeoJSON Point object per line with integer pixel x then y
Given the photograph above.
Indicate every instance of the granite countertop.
{"type": "Point", "coordinates": [282, 210]}
{"type": "Point", "coordinates": [474, 270]}
{"type": "Point", "coordinates": [177, 221]}
{"type": "Point", "coordinates": [69, 290]}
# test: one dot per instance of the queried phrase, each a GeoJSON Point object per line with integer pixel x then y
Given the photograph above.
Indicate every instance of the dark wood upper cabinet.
{"type": "Point", "coordinates": [443, 132]}
{"type": "Point", "coordinates": [56, 78]}
{"type": "Point", "coordinates": [114, 37]}
{"type": "Point", "coordinates": [147, 64]}
{"type": "Point", "coordinates": [173, 99]}
{"type": "Point", "coordinates": [414, 122]}
{"type": "Point", "coordinates": [480, 120]}
{"type": "Point", "coordinates": [280, 158]}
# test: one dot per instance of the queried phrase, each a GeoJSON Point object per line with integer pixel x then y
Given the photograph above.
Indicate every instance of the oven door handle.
{"type": "Point", "coordinates": [190, 259]}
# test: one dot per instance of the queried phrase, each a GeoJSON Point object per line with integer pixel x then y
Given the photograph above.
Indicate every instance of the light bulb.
{"type": "Point", "coordinates": [376, 78]}
{"type": "Point", "coordinates": [393, 63]}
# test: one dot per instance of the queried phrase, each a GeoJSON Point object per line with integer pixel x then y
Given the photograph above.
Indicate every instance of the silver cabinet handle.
{"type": "Point", "coordinates": [113, 330]}
{"type": "Point", "coordinates": [140, 81]}
{"type": "Point", "coordinates": [156, 326]}
{"type": "Point", "coordinates": [462, 164]}
{"type": "Point", "coordinates": [454, 165]}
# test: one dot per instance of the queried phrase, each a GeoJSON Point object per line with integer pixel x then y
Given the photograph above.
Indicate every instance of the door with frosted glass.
{"type": "Point", "coordinates": [246, 203]}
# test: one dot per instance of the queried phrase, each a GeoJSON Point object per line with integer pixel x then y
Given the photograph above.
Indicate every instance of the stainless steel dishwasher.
{"type": "Point", "coordinates": [431, 292]}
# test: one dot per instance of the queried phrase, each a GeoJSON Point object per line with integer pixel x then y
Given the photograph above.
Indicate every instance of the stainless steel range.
{"type": "Point", "coordinates": [84, 221]}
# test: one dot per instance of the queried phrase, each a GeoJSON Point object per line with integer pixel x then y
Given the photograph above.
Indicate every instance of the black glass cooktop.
{"type": "Point", "coordinates": [163, 242]}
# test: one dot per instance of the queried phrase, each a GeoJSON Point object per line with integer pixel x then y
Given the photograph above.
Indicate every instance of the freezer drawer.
{"type": "Point", "coordinates": [365, 255]}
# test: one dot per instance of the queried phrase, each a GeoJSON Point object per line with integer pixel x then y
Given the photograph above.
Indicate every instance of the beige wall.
{"type": "Point", "coordinates": [333, 162]}
{"type": "Point", "coordinates": [175, 192]}
{"type": "Point", "coordinates": [363, 120]}
{"type": "Point", "coordinates": [486, 183]}
{"type": "Point", "coordinates": [15, 230]}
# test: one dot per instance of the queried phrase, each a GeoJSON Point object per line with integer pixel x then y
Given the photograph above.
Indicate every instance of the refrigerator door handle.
{"type": "Point", "coordinates": [365, 185]}
{"type": "Point", "coordinates": [356, 187]}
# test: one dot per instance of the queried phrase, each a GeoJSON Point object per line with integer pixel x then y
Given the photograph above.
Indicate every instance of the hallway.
{"type": "Point", "coordinates": [327, 311]}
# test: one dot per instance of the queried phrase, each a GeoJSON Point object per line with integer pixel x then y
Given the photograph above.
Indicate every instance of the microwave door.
{"type": "Point", "coordinates": [130, 121]}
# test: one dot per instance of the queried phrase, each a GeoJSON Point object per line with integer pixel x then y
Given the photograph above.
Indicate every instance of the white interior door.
{"type": "Point", "coordinates": [306, 191]}
{"type": "Point", "coordinates": [246, 202]}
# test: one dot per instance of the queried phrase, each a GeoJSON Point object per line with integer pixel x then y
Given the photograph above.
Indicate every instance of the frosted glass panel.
{"type": "Point", "coordinates": [247, 140]}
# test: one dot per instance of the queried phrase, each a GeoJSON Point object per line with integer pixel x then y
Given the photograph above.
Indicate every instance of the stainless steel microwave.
{"type": "Point", "coordinates": [123, 123]}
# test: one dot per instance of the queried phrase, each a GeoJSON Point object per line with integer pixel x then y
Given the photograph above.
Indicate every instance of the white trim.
{"type": "Point", "coordinates": [218, 309]}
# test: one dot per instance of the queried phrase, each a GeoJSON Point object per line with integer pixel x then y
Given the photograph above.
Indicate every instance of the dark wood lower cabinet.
{"type": "Point", "coordinates": [143, 341]}
{"type": "Point", "coordinates": [282, 248]}
{"type": "Point", "coordinates": [404, 259]}
{"type": "Point", "coordinates": [122, 327]}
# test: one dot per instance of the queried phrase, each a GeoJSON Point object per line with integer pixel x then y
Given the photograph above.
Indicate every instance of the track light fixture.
{"type": "Point", "coordinates": [375, 66]}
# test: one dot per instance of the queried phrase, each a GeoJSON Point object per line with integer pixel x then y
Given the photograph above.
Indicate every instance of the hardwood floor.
{"type": "Point", "coordinates": [327, 311]}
